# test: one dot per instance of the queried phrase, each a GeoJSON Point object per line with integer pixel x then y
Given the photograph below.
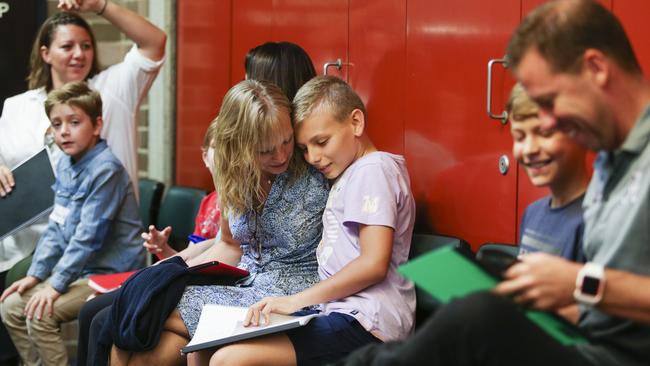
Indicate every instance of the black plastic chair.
{"type": "Point", "coordinates": [503, 247]}
{"type": "Point", "coordinates": [151, 192]}
{"type": "Point", "coordinates": [178, 210]}
{"type": "Point", "coordinates": [424, 243]}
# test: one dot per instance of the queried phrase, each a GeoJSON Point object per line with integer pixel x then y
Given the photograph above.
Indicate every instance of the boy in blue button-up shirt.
{"type": "Point", "coordinates": [93, 229]}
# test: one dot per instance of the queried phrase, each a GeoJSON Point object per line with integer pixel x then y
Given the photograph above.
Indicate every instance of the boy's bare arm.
{"type": "Point", "coordinates": [369, 268]}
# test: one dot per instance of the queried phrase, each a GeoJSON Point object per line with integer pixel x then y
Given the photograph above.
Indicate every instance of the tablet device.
{"type": "Point", "coordinates": [447, 273]}
{"type": "Point", "coordinates": [215, 268]}
{"type": "Point", "coordinates": [495, 262]}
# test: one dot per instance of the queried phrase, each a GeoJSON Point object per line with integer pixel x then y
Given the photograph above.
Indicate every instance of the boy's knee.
{"type": "Point", "coordinates": [43, 327]}
{"type": "Point", "coordinates": [12, 308]}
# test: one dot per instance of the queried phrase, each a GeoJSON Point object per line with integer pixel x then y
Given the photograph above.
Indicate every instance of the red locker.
{"type": "Point", "coordinates": [452, 147]}
{"type": "Point", "coordinates": [421, 68]}
{"type": "Point", "coordinates": [203, 70]}
{"type": "Point", "coordinates": [377, 69]}
{"type": "Point", "coordinates": [321, 28]}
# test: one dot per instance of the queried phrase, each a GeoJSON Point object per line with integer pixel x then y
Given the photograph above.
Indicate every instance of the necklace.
{"type": "Point", "coordinates": [255, 242]}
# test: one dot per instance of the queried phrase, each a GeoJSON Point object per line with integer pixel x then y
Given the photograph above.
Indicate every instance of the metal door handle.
{"type": "Point", "coordinates": [504, 115]}
{"type": "Point", "coordinates": [338, 64]}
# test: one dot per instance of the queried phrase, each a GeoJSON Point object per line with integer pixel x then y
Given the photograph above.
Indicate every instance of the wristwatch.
{"type": "Point", "coordinates": [590, 284]}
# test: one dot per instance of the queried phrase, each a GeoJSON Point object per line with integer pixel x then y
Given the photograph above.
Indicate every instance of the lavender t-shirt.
{"type": "Point", "coordinates": [374, 190]}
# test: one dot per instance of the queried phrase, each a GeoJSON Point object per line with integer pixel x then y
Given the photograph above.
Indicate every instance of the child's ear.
{"type": "Point", "coordinates": [358, 122]}
{"type": "Point", "coordinates": [99, 123]}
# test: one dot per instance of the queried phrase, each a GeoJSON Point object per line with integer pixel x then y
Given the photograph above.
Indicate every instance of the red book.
{"type": "Point", "coordinates": [108, 282]}
{"type": "Point", "coordinates": [214, 268]}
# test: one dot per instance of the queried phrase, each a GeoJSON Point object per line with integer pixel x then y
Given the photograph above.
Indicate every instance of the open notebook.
{"type": "Point", "coordinates": [219, 325]}
{"type": "Point", "coordinates": [445, 273]}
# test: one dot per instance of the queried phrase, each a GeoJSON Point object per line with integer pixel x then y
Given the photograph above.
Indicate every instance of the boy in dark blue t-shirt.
{"type": "Point", "coordinates": [552, 224]}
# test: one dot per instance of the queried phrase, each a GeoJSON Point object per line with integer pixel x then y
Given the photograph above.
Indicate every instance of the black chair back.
{"type": "Point", "coordinates": [178, 210]}
{"type": "Point", "coordinates": [151, 192]}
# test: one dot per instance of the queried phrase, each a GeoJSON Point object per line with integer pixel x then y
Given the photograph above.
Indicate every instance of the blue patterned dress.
{"type": "Point", "coordinates": [279, 247]}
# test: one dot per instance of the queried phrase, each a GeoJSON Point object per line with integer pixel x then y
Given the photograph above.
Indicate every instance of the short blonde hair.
{"type": "Point", "coordinates": [248, 122]}
{"type": "Point", "coordinates": [78, 94]}
{"type": "Point", "coordinates": [329, 93]}
{"type": "Point", "coordinates": [520, 107]}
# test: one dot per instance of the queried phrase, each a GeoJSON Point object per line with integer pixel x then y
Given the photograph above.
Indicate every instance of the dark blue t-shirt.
{"type": "Point", "coordinates": [555, 231]}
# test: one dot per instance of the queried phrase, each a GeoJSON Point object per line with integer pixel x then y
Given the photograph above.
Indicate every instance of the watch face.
{"type": "Point", "coordinates": [590, 285]}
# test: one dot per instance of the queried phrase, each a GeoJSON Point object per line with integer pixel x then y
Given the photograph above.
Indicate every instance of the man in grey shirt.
{"type": "Point", "coordinates": [576, 62]}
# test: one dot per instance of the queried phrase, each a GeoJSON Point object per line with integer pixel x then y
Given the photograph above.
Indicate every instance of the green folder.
{"type": "Point", "coordinates": [446, 274]}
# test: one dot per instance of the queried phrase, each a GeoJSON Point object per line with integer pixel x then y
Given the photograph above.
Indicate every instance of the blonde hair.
{"type": "Point", "coordinates": [207, 138]}
{"type": "Point", "coordinates": [328, 92]}
{"type": "Point", "coordinates": [78, 94]}
{"type": "Point", "coordinates": [248, 122]}
{"type": "Point", "coordinates": [520, 107]}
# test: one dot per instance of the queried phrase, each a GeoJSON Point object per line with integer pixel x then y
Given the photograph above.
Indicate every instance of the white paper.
{"type": "Point", "coordinates": [218, 322]}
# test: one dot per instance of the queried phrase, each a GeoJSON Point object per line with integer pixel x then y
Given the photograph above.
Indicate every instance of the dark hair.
{"type": "Point", "coordinates": [78, 94]}
{"type": "Point", "coordinates": [561, 31]}
{"type": "Point", "coordinates": [40, 74]}
{"type": "Point", "coordinates": [283, 63]}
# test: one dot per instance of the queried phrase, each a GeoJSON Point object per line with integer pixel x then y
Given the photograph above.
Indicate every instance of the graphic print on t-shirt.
{"type": "Point", "coordinates": [330, 227]}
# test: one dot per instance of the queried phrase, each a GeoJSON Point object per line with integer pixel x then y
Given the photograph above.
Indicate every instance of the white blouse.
{"type": "Point", "coordinates": [24, 128]}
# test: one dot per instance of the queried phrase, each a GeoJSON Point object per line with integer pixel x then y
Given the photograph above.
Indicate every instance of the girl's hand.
{"type": "Point", "coordinates": [41, 302]}
{"type": "Point", "coordinates": [81, 5]}
{"type": "Point", "coordinates": [20, 286]}
{"type": "Point", "coordinates": [268, 305]}
{"type": "Point", "coordinates": [156, 242]}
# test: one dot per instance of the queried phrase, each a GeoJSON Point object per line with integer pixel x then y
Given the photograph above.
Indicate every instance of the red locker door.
{"type": "Point", "coordinates": [377, 68]}
{"type": "Point", "coordinates": [203, 77]}
{"type": "Point", "coordinates": [452, 147]}
{"type": "Point", "coordinates": [633, 15]}
{"type": "Point", "coordinates": [320, 27]}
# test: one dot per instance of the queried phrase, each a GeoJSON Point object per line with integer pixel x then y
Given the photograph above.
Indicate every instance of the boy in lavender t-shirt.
{"type": "Point", "coordinates": [367, 229]}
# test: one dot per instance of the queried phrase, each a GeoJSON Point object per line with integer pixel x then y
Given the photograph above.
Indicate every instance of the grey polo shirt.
{"type": "Point", "coordinates": [617, 235]}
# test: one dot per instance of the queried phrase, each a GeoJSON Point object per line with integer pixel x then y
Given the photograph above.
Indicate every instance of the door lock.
{"type": "Point", "coordinates": [504, 164]}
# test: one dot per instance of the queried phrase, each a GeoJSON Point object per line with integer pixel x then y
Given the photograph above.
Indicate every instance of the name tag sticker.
{"type": "Point", "coordinates": [59, 214]}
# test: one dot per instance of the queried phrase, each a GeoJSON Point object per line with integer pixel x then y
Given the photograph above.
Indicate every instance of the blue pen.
{"type": "Point", "coordinates": [195, 238]}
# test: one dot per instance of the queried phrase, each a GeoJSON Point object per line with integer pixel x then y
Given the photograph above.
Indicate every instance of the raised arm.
{"type": "Point", "coordinates": [149, 38]}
